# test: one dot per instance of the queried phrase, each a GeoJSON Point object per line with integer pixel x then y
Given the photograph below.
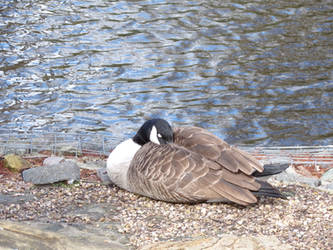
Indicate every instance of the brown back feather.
{"type": "Point", "coordinates": [212, 147]}
{"type": "Point", "coordinates": [175, 174]}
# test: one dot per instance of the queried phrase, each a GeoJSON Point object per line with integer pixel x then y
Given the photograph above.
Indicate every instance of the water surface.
{"type": "Point", "coordinates": [253, 73]}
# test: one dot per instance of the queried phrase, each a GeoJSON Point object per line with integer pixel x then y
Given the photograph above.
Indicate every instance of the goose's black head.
{"type": "Point", "coordinates": [158, 131]}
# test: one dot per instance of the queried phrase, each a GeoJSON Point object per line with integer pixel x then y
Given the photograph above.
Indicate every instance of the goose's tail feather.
{"type": "Point", "coordinates": [271, 169]}
{"type": "Point", "coordinates": [268, 190]}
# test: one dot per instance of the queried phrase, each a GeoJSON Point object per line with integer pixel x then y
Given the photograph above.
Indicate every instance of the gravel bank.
{"type": "Point", "coordinates": [304, 220]}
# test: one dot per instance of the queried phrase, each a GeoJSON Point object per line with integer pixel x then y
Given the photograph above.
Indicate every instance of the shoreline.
{"type": "Point", "coordinates": [123, 219]}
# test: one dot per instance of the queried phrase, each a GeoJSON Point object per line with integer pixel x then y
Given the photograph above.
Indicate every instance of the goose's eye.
{"type": "Point", "coordinates": [159, 135]}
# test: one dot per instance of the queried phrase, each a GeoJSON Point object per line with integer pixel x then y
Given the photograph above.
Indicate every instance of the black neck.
{"type": "Point", "coordinates": [139, 139]}
{"type": "Point", "coordinates": [142, 136]}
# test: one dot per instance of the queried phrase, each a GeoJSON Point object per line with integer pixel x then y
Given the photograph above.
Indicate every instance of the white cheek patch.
{"type": "Point", "coordinates": [153, 135]}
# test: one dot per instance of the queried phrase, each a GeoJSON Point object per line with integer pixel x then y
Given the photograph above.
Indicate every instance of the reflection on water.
{"type": "Point", "coordinates": [253, 73]}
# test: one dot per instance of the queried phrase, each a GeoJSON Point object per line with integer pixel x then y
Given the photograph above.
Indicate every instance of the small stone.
{"type": "Point", "coordinates": [53, 160]}
{"type": "Point", "coordinates": [64, 171]}
{"type": "Point", "coordinates": [327, 177]}
{"type": "Point", "coordinates": [70, 182]}
{"type": "Point", "coordinates": [15, 163]}
{"type": "Point", "coordinates": [103, 175]}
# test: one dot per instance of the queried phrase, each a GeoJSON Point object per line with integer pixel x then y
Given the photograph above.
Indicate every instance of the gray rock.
{"type": "Point", "coordinates": [64, 171]}
{"type": "Point", "coordinates": [327, 187]}
{"type": "Point", "coordinates": [327, 177]}
{"type": "Point", "coordinates": [290, 175]}
{"type": "Point", "coordinates": [103, 175]}
{"type": "Point", "coordinates": [53, 160]}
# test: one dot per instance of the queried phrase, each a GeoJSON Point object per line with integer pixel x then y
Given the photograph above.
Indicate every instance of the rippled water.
{"type": "Point", "coordinates": [253, 73]}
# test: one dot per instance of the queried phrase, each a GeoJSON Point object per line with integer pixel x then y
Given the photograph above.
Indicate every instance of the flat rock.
{"type": "Point", "coordinates": [64, 171]}
{"type": "Point", "coordinates": [225, 242]}
{"type": "Point", "coordinates": [15, 235]}
{"type": "Point", "coordinates": [15, 163]}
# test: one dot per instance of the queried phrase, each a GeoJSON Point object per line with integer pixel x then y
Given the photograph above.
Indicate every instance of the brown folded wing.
{"type": "Point", "coordinates": [211, 147]}
{"type": "Point", "coordinates": [175, 174]}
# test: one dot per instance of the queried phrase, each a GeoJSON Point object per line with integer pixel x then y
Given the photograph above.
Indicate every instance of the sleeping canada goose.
{"type": "Point", "coordinates": [187, 165]}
